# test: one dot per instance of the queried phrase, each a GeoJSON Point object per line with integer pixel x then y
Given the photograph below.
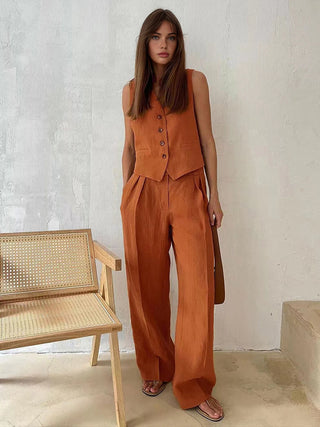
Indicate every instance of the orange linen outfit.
{"type": "Point", "coordinates": [164, 202]}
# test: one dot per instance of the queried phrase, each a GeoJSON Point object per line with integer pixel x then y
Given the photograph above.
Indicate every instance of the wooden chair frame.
{"type": "Point", "coordinates": [16, 302]}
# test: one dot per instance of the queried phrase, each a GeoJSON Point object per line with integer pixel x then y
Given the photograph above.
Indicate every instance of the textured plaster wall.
{"type": "Point", "coordinates": [62, 68]}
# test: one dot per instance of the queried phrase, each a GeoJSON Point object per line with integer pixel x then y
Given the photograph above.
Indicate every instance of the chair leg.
{"type": "Point", "coordinates": [95, 349]}
{"type": "Point", "coordinates": [117, 381]}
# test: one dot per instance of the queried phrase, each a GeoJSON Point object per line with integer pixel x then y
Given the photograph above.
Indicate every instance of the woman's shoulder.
{"type": "Point", "coordinates": [196, 74]}
{"type": "Point", "coordinates": [129, 84]}
{"type": "Point", "coordinates": [127, 90]}
{"type": "Point", "coordinates": [198, 79]}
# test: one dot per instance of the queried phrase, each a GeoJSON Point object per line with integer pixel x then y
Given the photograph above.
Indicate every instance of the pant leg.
{"type": "Point", "coordinates": [194, 375]}
{"type": "Point", "coordinates": [146, 244]}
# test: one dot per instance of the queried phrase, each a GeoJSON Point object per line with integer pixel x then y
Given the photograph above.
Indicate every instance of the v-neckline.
{"type": "Point", "coordinates": [154, 96]}
{"type": "Point", "coordinates": [154, 93]}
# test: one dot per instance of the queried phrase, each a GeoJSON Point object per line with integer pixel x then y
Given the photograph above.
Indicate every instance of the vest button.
{"type": "Point", "coordinates": [160, 129]}
{"type": "Point", "coordinates": [164, 156]}
{"type": "Point", "coordinates": [159, 116]}
{"type": "Point", "coordinates": [161, 142]}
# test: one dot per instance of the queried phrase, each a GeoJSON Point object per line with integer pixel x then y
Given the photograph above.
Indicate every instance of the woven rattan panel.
{"type": "Point", "coordinates": [44, 261]}
{"type": "Point", "coordinates": [48, 315]}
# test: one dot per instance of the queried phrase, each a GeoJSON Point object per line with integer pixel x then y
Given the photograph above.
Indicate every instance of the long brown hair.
{"type": "Point", "coordinates": [173, 91]}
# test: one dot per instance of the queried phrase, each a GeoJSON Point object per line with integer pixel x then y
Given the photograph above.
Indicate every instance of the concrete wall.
{"type": "Point", "coordinates": [63, 65]}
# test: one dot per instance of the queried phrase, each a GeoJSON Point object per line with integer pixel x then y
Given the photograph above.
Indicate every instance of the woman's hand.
{"type": "Point", "coordinates": [214, 209]}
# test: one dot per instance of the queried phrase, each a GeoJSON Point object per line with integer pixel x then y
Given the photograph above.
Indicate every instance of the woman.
{"type": "Point", "coordinates": [168, 141]}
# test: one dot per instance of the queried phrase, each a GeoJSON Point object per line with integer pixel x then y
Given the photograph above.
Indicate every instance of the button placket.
{"type": "Point", "coordinates": [160, 130]}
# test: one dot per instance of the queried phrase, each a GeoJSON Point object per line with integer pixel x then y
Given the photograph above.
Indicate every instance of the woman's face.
{"type": "Point", "coordinates": [164, 40]}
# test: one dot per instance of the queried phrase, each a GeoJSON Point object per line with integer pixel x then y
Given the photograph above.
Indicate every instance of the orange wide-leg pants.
{"type": "Point", "coordinates": [154, 216]}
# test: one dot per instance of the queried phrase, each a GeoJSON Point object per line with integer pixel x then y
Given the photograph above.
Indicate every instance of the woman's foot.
{"type": "Point", "coordinates": [211, 409]}
{"type": "Point", "coordinates": [153, 387]}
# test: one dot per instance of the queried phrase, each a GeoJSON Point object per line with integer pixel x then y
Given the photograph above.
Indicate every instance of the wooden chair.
{"type": "Point", "coordinates": [49, 292]}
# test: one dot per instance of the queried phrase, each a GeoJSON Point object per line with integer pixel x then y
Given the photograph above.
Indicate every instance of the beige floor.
{"type": "Point", "coordinates": [256, 389]}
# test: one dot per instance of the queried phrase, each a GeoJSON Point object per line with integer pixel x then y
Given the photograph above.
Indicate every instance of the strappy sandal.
{"type": "Point", "coordinates": [161, 388]}
{"type": "Point", "coordinates": [206, 415]}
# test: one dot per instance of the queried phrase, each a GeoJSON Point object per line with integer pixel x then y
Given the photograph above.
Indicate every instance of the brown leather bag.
{"type": "Point", "coordinates": [219, 289]}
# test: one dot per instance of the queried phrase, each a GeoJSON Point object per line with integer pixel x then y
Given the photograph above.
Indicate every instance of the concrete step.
{"type": "Point", "coordinates": [300, 343]}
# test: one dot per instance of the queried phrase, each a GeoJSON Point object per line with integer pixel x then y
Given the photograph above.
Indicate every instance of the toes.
{"type": "Point", "coordinates": [215, 405]}
{"type": "Point", "coordinates": [152, 385]}
{"type": "Point", "coordinates": [156, 385]}
{"type": "Point", "coordinates": [147, 384]}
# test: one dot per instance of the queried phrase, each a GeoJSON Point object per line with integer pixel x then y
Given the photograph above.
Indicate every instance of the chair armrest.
{"type": "Point", "coordinates": [107, 257]}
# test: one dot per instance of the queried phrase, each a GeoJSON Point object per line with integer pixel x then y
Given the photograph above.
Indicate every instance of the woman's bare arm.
{"type": "Point", "coordinates": [203, 117]}
{"type": "Point", "coordinates": [128, 154]}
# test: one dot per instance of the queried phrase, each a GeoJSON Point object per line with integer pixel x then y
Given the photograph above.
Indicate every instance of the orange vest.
{"type": "Point", "coordinates": [167, 141]}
